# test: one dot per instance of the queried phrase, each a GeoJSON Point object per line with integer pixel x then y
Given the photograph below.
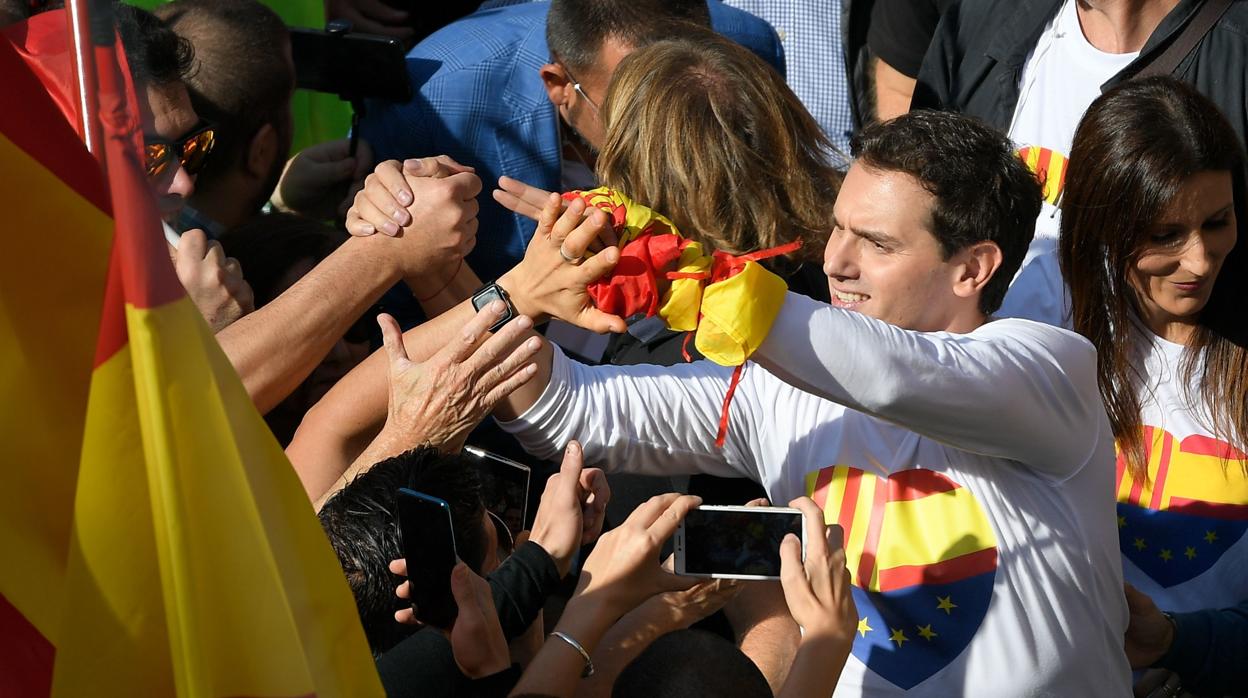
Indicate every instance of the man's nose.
{"type": "Point", "coordinates": [183, 183]}
{"type": "Point", "coordinates": [840, 257]}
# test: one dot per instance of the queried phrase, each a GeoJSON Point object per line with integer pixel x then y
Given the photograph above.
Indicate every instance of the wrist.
{"type": "Point", "coordinates": [561, 558]}
{"type": "Point", "coordinates": [385, 267]}
{"type": "Point", "coordinates": [511, 282]}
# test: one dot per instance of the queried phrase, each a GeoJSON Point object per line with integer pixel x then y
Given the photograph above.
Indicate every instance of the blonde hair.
{"type": "Point", "coordinates": [705, 132]}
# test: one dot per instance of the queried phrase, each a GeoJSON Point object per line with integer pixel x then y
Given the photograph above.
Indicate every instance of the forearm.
{"type": "Point", "coordinates": [276, 347]}
{"type": "Point", "coordinates": [893, 90]}
{"type": "Point", "coordinates": [816, 669]}
{"type": "Point", "coordinates": [1029, 381]}
{"type": "Point", "coordinates": [557, 669]}
{"type": "Point", "coordinates": [439, 295]}
{"type": "Point", "coordinates": [625, 641]}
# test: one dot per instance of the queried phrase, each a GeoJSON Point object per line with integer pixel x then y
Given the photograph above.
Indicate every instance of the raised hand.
{"type": "Point", "coordinates": [528, 201]}
{"type": "Point", "coordinates": [442, 399]}
{"type": "Point", "coordinates": [571, 511]}
{"type": "Point", "coordinates": [552, 279]}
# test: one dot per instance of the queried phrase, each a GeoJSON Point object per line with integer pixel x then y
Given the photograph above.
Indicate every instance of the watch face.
{"type": "Point", "coordinates": [485, 296]}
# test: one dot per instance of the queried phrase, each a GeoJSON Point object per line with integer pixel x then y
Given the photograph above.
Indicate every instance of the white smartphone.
{"type": "Point", "coordinates": [732, 542]}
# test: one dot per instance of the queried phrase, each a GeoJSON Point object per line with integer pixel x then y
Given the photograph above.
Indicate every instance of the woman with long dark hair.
{"type": "Point", "coordinates": [1151, 218]}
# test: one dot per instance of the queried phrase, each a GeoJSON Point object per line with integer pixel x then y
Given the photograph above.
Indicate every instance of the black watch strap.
{"type": "Point", "coordinates": [488, 294]}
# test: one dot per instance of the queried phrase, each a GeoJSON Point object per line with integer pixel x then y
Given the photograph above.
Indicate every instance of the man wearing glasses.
{"type": "Point", "coordinates": [515, 91]}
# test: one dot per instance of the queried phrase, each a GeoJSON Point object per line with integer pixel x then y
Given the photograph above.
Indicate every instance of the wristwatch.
{"type": "Point", "coordinates": [488, 294]}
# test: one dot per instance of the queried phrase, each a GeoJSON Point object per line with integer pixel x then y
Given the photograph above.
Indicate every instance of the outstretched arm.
{"type": "Point", "coordinates": [1004, 390]}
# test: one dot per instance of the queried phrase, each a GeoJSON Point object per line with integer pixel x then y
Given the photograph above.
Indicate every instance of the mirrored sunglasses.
{"type": "Point", "coordinates": [191, 149]}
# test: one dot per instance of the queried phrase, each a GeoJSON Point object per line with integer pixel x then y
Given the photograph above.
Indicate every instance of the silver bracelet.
{"type": "Point", "coordinates": [589, 663]}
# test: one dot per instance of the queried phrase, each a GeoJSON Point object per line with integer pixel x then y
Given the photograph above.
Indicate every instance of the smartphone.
{"type": "Point", "coordinates": [351, 65]}
{"type": "Point", "coordinates": [504, 487]}
{"type": "Point", "coordinates": [429, 546]}
{"type": "Point", "coordinates": [727, 542]}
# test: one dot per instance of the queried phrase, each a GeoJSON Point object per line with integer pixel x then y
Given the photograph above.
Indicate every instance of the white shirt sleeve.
{"type": "Point", "coordinates": [646, 420]}
{"type": "Point", "coordinates": [1010, 389]}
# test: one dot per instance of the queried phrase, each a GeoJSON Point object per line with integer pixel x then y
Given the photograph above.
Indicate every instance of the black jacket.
{"type": "Point", "coordinates": [975, 61]}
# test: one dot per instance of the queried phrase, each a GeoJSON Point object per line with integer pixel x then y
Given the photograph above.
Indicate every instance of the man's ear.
{"type": "Point", "coordinates": [261, 149]}
{"type": "Point", "coordinates": [555, 78]}
{"type": "Point", "coordinates": [976, 266]}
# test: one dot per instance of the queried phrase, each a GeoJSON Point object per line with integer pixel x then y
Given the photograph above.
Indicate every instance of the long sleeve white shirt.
{"type": "Point", "coordinates": [973, 474]}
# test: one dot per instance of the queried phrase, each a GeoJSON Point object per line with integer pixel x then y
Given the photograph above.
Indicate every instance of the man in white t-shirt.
{"type": "Point", "coordinates": [969, 461]}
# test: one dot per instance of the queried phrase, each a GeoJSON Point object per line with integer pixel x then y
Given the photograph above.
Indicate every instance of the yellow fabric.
{"type": "Point", "coordinates": [52, 275]}
{"type": "Point", "coordinates": [683, 299]}
{"type": "Point", "coordinates": [737, 314]}
{"type": "Point", "coordinates": [732, 317]}
{"type": "Point", "coordinates": [197, 566]}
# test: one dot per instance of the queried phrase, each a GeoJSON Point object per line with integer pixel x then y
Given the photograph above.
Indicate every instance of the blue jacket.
{"type": "Point", "coordinates": [479, 99]}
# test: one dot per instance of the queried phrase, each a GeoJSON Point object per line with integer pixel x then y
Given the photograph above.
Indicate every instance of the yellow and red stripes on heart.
{"type": "Point", "coordinates": [916, 527]}
{"type": "Point", "coordinates": [1201, 476]}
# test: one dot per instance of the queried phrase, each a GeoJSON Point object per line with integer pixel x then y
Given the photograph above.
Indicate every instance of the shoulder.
{"type": "Point", "coordinates": [491, 35]}
{"type": "Point", "coordinates": [1042, 343]}
{"type": "Point", "coordinates": [746, 29]}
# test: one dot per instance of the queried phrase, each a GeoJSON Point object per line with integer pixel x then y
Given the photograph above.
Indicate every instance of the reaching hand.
{"type": "Point", "coordinates": [371, 17]}
{"type": "Point", "coordinates": [318, 179]}
{"type": "Point", "coordinates": [528, 201]}
{"type": "Point", "coordinates": [213, 281]}
{"type": "Point", "coordinates": [624, 568]}
{"type": "Point", "coordinates": [676, 610]}
{"type": "Point", "coordinates": [818, 591]}
{"type": "Point", "coordinates": [571, 511]}
{"type": "Point", "coordinates": [1149, 633]}
{"type": "Point", "coordinates": [552, 278]}
{"type": "Point", "coordinates": [441, 400]}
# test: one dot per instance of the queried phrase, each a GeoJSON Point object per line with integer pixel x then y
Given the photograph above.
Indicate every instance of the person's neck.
{"type": "Point", "coordinates": [1121, 26]}
{"type": "Point", "coordinates": [967, 322]}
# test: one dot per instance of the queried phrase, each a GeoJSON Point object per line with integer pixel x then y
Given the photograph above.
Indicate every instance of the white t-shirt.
{"type": "Point", "coordinates": [1182, 532]}
{"type": "Point", "coordinates": [1061, 78]}
{"type": "Point", "coordinates": [974, 500]}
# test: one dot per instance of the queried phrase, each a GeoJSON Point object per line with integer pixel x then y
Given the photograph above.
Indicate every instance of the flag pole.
{"type": "Point", "coordinates": [78, 19]}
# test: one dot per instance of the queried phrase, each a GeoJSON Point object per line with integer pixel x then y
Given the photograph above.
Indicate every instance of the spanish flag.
{"type": "Point", "coordinates": [156, 540]}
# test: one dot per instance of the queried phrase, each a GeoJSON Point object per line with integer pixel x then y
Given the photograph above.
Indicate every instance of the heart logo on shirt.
{"type": "Point", "coordinates": [922, 556]}
{"type": "Point", "coordinates": [1192, 509]}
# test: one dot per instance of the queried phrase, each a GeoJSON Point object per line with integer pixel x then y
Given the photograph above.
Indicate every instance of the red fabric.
{"type": "Point", "coordinates": [632, 287]}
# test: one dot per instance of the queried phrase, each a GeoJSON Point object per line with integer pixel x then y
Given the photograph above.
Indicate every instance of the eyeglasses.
{"type": "Point", "coordinates": [576, 85]}
{"type": "Point", "coordinates": [191, 149]}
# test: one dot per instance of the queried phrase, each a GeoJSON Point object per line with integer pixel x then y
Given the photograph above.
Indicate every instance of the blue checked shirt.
{"type": "Point", "coordinates": [810, 32]}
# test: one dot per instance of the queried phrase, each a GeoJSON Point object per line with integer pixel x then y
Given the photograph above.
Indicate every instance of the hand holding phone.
{"type": "Point", "coordinates": [429, 547]}
{"type": "Point", "coordinates": [817, 587]}
{"type": "Point", "coordinates": [735, 542]}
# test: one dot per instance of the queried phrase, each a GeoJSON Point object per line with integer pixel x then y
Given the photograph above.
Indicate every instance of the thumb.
{"type": "Point", "coordinates": [461, 587]}
{"type": "Point", "coordinates": [1137, 600]}
{"type": "Point", "coordinates": [415, 166]}
{"type": "Point", "coordinates": [570, 469]}
{"type": "Point", "coordinates": [392, 338]}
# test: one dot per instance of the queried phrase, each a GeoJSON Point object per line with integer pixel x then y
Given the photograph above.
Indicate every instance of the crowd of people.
{"type": "Point", "coordinates": [975, 319]}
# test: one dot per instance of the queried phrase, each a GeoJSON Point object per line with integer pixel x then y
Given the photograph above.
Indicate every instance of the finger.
{"type": "Point", "coordinates": [215, 253]}
{"type": "Point", "coordinates": [232, 267]}
{"type": "Point", "coordinates": [394, 192]}
{"type": "Point", "coordinates": [669, 520]}
{"type": "Point", "coordinates": [531, 195]}
{"type": "Point", "coordinates": [760, 502]}
{"type": "Point", "coordinates": [392, 338]}
{"type": "Point", "coordinates": [649, 510]}
{"type": "Point", "coordinates": [466, 184]}
{"type": "Point", "coordinates": [571, 467]}
{"type": "Point", "coordinates": [438, 166]}
{"type": "Point", "coordinates": [576, 244]}
{"type": "Point", "coordinates": [816, 536]}
{"type": "Point", "coordinates": [793, 578]}
{"type": "Point", "coordinates": [568, 221]}
{"type": "Point", "coordinates": [406, 616]}
{"type": "Point", "coordinates": [549, 216]}
{"type": "Point", "coordinates": [672, 582]}
{"type": "Point", "coordinates": [193, 244]}
{"type": "Point", "coordinates": [477, 330]}
{"type": "Point", "coordinates": [462, 589]}
{"type": "Point", "coordinates": [403, 591]}
{"type": "Point", "coordinates": [513, 203]}
{"type": "Point", "coordinates": [374, 216]}
{"type": "Point", "coordinates": [399, 566]}
{"type": "Point", "coordinates": [358, 226]}
{"type": "Point", "coordinates": [509, 386]}
{"type": "Point", "coordinates": [504, 353]}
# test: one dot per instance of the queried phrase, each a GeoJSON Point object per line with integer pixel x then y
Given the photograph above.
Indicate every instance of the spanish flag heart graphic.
{"type": "Point", "coordinates": [1190, 511]}
{"type": "Point", "coordinates": [922, 556]}
{"type": "Point", "coordinates": [1050, 167]}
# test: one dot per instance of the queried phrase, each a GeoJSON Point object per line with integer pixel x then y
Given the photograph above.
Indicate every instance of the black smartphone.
{"type": "Point", "coordinates": [351, 65]}
{"type": "Point", "coordinates": [429, 546]}
{"type": "Point", "coordinates": [729, 542]}
{"type": "Point", "coordinates": [504, 488]}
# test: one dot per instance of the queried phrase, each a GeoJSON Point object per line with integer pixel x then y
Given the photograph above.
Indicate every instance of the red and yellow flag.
{"type": "Point", "coordinates": [157, 541]}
